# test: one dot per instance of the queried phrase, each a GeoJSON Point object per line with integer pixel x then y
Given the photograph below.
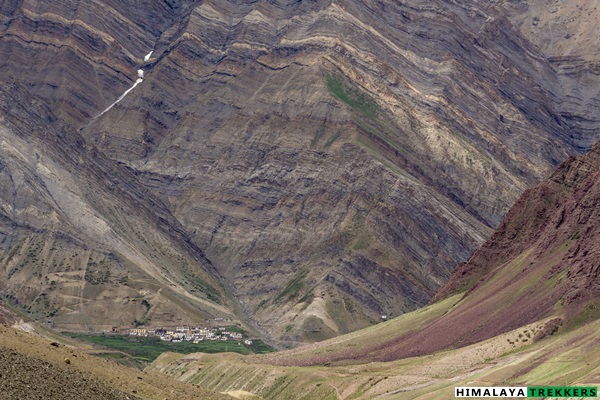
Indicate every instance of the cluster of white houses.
{"type": "Point", "coordinates": [190, 334]}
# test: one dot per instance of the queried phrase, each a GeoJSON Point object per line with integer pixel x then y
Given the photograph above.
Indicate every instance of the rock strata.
{"type": "Point", "coordinates": [334, 161]}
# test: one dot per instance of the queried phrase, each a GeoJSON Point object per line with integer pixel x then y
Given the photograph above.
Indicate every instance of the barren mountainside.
{"type": "Point", "coordinates": [308, 165]}
{"type": "Point", "coordinates": [33, 367]}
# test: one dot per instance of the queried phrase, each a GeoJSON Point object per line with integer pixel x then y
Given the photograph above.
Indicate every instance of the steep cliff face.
{"type": "Point", "coordinates": [77, 55]}
{"type": "Point", "coordinates": [334, 161]}
{"type": "Point", "coordinates": [543, 261]}
{"type": "Point", "coordinates": [559, 216]}
{"type": "Point", "coordinates": [349, 157]}
{"type": "Point", "coordinates": [525, 309]}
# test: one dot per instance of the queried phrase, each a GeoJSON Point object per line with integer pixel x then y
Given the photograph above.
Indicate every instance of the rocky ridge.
{"type": "Point", "coordinates": [564, 32]}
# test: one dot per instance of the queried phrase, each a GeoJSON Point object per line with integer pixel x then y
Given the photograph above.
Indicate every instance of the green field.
{"type": "Point", "coordinates": [147, 349]}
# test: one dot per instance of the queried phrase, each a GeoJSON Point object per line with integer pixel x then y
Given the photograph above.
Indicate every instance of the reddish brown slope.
{"type": "Point", "coordinates": [543, 260]}
{"type": "Point", "coordinates": [564, 208]}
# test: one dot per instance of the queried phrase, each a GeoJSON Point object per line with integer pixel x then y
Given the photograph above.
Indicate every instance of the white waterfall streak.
{"type": "Point", "coordinates": [124, 94]}
{"type": "Point", "coordinates": [140, 79]}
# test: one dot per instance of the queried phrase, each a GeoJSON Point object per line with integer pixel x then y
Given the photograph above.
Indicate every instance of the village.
{"type": "Point", "coordinates": [190, 334]}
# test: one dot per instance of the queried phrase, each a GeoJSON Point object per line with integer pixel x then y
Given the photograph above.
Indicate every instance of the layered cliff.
{"type": "Point", "coordinates": [334, 161]}
{"type": "Point", "coordinates": [524, 310]}
{"type": "Point", "coordinates": [558, 216]}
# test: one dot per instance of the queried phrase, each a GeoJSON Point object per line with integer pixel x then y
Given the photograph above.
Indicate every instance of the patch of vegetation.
{"type": "Point", "coordinates": [332, 139]}
{"type": "Point", "coordinates": [52, 313]}
{"type": "Point", "coordinates": [314, 329]}
{"type": "Point", "coordinates": [142, 321]}
{"type": "Point", "coordinates": [587, 313]}
{"type": "Point", "coordinates": [317, 138]}
{"type": "Point", "coordinates": [292, 289]}
{"type": "Point", "coordinates": [145, 319]}
{"type": "Point", "coordinates": [277, 387]}
{"type": "Point", "coordinates": [349, 305]}
{"type": "Point", "coordinates": [363, 241]}
{"type": "Point", "coordinates": [357, 234]}
{"type": "Point", "coordinates": [260, 347]}
{"type": "Point", "coordinates": [307, 298]}
{"type": "Point", "coordinates": [377, 134]}
{"type": "Point", "coordinates": [237, 329]}
{"type": "Point", "coordinates": [220, 249]}
{"type": "Point", "coordinates": [200, 284]}
{"type": "Point", "coordinates": [148, 349]}
{"type": "Point", "coordinates": [95, 277]}
{"type": "Point", "coordinates": [260, 305]}
{"type": "Point", "coordinates": [351, 96]}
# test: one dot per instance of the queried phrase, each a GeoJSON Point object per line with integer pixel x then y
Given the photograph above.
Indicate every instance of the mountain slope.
{"type": "Point", "coordinates": [569, 359]}
{"type": "Point", "coordinates": [564, 32]}
{"type": "Point", "coordinates": [81, 242]}
{"type": "Point", "coordinates": [333, 161]}
{"type": "Point", "coordinates": [351, 168]}
{"type": "Point", "coordinates": [529, 316]}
